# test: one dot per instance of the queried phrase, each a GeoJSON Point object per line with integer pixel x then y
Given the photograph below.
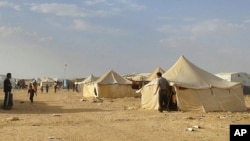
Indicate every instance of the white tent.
{"type": "Point", "coordinates": [241, 77]}
{"type": "Point", "coordinates": [47, 80]}
{"type": "Point", "coordinates": [138, 76]}
{"type": "Point", "coordinates": [197, 90]}
{"type": "Point", "coordinates": [109, 85]}
{"type": "Point", "coordinates": [90, 79]}
{"type": "Point", "coordinates": [153, 74]}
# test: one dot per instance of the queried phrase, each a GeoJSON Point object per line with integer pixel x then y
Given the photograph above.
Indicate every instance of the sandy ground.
{"type": "Point", "coordinates": [62, 116]}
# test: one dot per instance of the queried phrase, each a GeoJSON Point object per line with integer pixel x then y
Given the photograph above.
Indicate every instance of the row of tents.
{"type": "Point", "coordinates": [195, 89]}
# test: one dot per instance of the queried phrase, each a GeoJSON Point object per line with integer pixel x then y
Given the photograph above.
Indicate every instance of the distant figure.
{"type": "Point", "coordinates": [68, 87]}
{"type": "Point", "coordinates": [41, 89]}
{"type": "Point", "coordinates": [164, 90]}
{"type": "Point", "coordinates": [73, 87]}
{"type": "Point", "coordinates": [31, 93]}
{"type": "Point", "coordinates": [95, 92]}
{"type": "Point", "coordinates": [8, 97]}
{"type": "Point", "coordinates": [76, 87]}
{"type": "Point", "coordinates": [35, 86]}
{"type": "Point", "coordinates": [55, 87]}
{"type": "Point", "coordinates": [47, 88]}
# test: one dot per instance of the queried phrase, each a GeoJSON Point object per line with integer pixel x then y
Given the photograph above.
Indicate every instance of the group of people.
{"type": "Point", "coordinates": [46, 88]}
{"type": "Point", "coordinates": [163, 89]}
{"type": "Point", "coordinates": [8, 96]}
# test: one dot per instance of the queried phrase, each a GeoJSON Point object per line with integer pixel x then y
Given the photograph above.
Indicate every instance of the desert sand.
{"type": "Point", "coordinates": [63, 116]}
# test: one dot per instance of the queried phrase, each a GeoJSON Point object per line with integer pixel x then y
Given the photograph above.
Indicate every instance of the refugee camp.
{"type": "Point", "coordinates": [124, 70]}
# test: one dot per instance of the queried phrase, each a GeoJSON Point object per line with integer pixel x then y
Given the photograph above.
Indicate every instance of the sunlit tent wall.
{"type": "Point", "coordinates": [87, 83]}
{"type": "Point", "coordinates": [109, 85]}
{"type": "Point", "coordinates": [47, 80]}
{"type": "Point", "coordinates": [197, 90]}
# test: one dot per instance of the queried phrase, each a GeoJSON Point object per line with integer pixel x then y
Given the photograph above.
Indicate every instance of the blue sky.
{"type": "Point", "coordinates": [38, 37]}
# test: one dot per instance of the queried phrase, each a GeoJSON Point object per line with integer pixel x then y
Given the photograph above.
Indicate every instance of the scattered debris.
{"type": "Point", "coordinates": [97, 100]}
{"type": "Point", "coordinates": [127, 107]}
{"type": "Point", "coordinates": [190, 129]}
{"type": "Point", "coordinates": [189, 118]}
{"type": "Point", "coordinates": [56, 115]}
{"type": "Point", "coordinates": [196, 126]}
{"type": "Point", "coordinates": [53, 138]}
{"type": "Point", "coordinates": [12, 119]}
{"type": "Point", "coordinates": [224, 117]}
{"type": "Point", "coordinates": [193, 127]}
{"type": "Point", "coordinates": [83, 99]}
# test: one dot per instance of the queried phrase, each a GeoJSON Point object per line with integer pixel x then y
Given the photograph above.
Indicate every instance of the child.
{"type": "Point", "coordinates": [31, 92]}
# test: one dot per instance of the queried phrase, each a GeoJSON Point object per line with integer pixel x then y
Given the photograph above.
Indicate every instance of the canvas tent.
{"type": "Point", "coordinates": [197, 90]}
{"type": "Point", "coordinates": [241, 77]}
{"type": "Point", "coordinates": [47, 80]}
{"type": "Point", "coordinates": [90, 79]}
{"type": "Point", "coordinates": [137, 76]}
{"type": "Point", "coordinates": [109, 85]}
{"type": "Point", "coordinates": [153, 74]}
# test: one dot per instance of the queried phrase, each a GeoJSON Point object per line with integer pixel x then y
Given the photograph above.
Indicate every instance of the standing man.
{"type": "Point", "coordinates": [47, 88]}
{"type": "Point", "coordinates": [8, 101]}
{"type": "Point", "coordinates": [163, 89]}
{"type": "Point", "coordinates": [55, 86]}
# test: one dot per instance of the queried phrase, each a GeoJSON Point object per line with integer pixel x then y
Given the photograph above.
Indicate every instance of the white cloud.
{"type": "Point", "coordinates": [167, 29]}
{"type": "Point", "coordinates": [9, 5]}
{"type": "Point", "coordinates": [247, 21]}
{"type": "Point", "coordinates": [85, 26]}
{"type": "Point", "coordinates": [60, 9]}
{"type": "Point", "coordinates": [133, 5]}
{"type": "Point", "coordinates": [72, 10]}
{"type": "Point", "coordinates": [210, 31]}
{"type": "Point", "coordinates": [6, 32]}
{"type": "Point", "coordinates": [178, 43]}
{"type": "Point", "coordinates": [216, 28]}
{"type": "Point", "coordinates": [17, 33]}
{"type": "Point", "coordinates": [82, 25]}
{"type": "Point", "coordinates": [94, 2]}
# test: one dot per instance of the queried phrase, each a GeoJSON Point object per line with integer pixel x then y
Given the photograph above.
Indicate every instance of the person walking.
{"type": "Point", "coordinates": [47, 88]}
{"type": "Point", "coordinates": [163, 89]}
{"type": "Point", "coordinates": [41, 89]}
{"type": "Point", "coordinates": [31, 93]}
{"type": "Point", "coordinates": [55, 87]}
{"type": "Point", "coordinates": [8, 97]}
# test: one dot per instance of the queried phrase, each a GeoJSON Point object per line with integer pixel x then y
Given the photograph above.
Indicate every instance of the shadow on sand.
{"type": "Point", "coordinates": [38, 107]}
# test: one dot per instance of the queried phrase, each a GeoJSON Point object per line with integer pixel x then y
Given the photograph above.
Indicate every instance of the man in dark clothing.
{"type": "Point", "coordinates": [31, 93]}
{"type": "Point", "coordinates": [7, 93]}
{"type": "Point", "coordinates": [47, 88]}
{"type": "Point", "coordinates": [55, 87]}
{"type": "Point", "coordinates": [164, 90]}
